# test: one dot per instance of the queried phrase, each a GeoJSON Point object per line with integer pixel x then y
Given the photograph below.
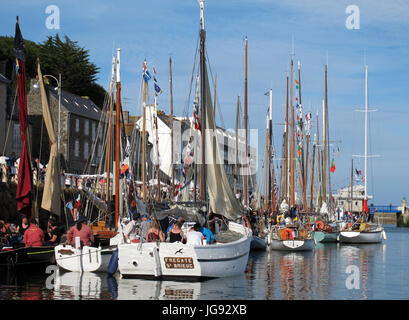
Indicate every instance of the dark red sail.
{"type": "Point", "coordinates": [24, 186]}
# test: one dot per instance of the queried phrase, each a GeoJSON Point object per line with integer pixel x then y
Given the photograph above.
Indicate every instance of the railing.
{"type": "Point", "coordinates": [388, 208]}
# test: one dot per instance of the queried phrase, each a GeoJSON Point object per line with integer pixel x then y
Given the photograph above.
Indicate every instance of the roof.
{"type": "Point", "coordinates": [3, 79]}
{"type": "Point", "coordinates": [78, 105]}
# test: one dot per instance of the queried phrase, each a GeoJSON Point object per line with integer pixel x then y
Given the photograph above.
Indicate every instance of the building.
{"type": "Point", "coordinates": [343, 198]}
{"type": "Point", "coordinates": [226, 139]}
{"type": "Point", "coordinates": [79, 129]}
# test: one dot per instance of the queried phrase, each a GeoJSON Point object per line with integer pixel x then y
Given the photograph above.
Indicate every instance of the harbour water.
{"type": "Point", "coordinates": [330, 272]}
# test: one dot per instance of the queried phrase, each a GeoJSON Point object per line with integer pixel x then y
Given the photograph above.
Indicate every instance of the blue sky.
{"type": "Point", "coordinates": [159, 28]}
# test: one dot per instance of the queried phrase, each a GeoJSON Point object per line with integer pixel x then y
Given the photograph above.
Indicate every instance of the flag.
{"type": "Point", "coordinates": [296, 81]}
{"type": "Point", "coordinates": [195, 116]}
{"type": "Point", "coordinates": [333, 166]}
{"type": "Point", "coordinates": [146, 74]}
{"type": "Point", "coordinates": [78, 199]}
{"type": "Point", "coordinates": [308, 116]}
{"type": "Point", "coordinates": [24, 186]}
{"type": "Point", "coordinates": [158, 90]}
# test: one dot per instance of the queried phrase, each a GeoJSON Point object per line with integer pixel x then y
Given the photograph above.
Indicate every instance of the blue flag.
{"type": "Point", "coordinates": [158, 89]}
{"type": "Point", "coordinates": [146, 76]}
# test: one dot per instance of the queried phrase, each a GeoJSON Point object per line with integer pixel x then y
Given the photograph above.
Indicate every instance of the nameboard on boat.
{"type": "Point", "coordinates": [66, 251]}
{"type": "Point", "coordinates": [179, 263]}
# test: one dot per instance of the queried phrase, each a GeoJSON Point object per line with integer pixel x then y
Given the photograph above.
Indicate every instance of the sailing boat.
{"type": "Point", "coordinates": [362, 232]}
{"type": "Point", "coordinates": [325, 229]}
{"type": "Point", "coordinates": [293, 236]}
{"type": "Point", "coordinates": [228, 256]}
{"type": "Point", "coordinates": [97, 259]}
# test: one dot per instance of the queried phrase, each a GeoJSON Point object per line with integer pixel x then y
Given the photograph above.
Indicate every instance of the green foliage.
{"type": "Point", "coordinates": [78, 74]}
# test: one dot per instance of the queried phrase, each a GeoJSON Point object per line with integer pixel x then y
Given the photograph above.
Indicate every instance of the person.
{"type": "Point", "coordinates": [81, 230]}
{"type": "Point", "coordinates": [208, 234]}
{"type": "Point", "coordinates": [176, 233]}
{"type": "Point", "coordinates": [54, 233]}
{"type": "Point", "coordinates": [288, 220]}
{"type": "Point", "coordinates": [371, 214]}
{"type": "Point", "coordinates": [154, 233]}
{"type": "Point", "coordinates": [145, 223]}
{"type": "Point", "coordinates": [34, 236]}
{"type": "Point", "coordinates": [130, 230]}
{"type": "Point", "coordinates": [132, 209]}
{"type": "Point", "coordinates": [194, 237]}
{"type": "Point", "coordinates": [111, 213]}
{"type": "Point", "coordinates": [69, 212]}
{"type": "Point", "coordinates": [179, 219]}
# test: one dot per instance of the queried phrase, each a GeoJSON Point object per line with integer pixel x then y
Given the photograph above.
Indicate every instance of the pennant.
{"type": "Point", "coordinates": [333, 166]}
{"type": "Point", "coordinates": [158, 90]}
{"type": "Point", "coordinates": [78, 199]}
{"type": "Point", "coordinates": [296, 81]}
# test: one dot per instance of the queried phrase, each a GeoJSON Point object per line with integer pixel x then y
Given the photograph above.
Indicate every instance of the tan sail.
{"type": "Point", "coordinates": [221, 197]}
{"type": "Point", "coordinates": [52, 191]}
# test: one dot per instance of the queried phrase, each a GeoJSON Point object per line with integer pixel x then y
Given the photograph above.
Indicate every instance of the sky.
{"type": "Point", "coordinates": [317, 32]}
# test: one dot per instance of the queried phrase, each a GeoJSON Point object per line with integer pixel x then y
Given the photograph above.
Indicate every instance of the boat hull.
{"type": "Point", "coordinates": [258, 243]}
{"type": "Point", "coordinates": [361, 237]}
{"type": "Point", "coordinates": [321, 236]}
{"type": "Point", "coordinates": [292, 245]}
{"type": "Point", "coordinates": [87, 259]}
{"type": "Point", "coordinates": [43, 255]}
{"type": "Point", "coordinates": [180, 261]}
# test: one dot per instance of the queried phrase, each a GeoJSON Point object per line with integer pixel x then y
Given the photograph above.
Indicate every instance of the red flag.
{"type": "Point", "coordinates": [333, 166]}
{"type": "Point", "coordinates": [23, 194]}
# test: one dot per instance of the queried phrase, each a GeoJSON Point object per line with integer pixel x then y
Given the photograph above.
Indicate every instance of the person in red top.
{"type": "Point", "coordinates": [81, 230]}
{"type": "Point", "coordinates": [34, 236]}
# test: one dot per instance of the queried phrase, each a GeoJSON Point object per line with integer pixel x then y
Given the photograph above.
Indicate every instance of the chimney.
{"type": "Point", "coordinates": [3, 67]}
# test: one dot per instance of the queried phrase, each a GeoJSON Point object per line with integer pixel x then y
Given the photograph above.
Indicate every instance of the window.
{"type": "Point", "coordinates": [86, 127]}
{"type": "Point", "coordinates": [77, 148]}
{"type": "Point", "coordinates": [16, 138]}
{"type": "Point", "coordinates": [86, 151]}
{"type": "Point", "coordinates": [77, 125]}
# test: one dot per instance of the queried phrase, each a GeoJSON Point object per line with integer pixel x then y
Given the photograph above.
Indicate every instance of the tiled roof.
{"type": "Point", "coordinates": [77, 105]}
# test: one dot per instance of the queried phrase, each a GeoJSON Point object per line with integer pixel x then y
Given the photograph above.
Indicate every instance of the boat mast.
{"type": "Point", "coordinates": [236, 180]}
{"type": "Point", "coordinates": [312, 174]}
{"type": "Point", "coordinates": [171, 128]}
{"type": "Point", "coordinates": [267, 164]}
{"type": "Point", "coordinates": [245, 191]}
{"type": "Point", "coordinates": [271, 175]}
{"type": "Point", "coordinates": [366, 138]}
{"type": "Point", "coordinates": [109, 151]}
{"type": "Point", "coordinates": [352, 181]}
{"type": "Point", "coordinates": [117, 135]}
{"type": "Point", "coordinates": [144, 143]}
{"type": "Point", "coordinates": [287, 147]}
{"type": "Point", "coordinates": [292, 169]}
{"type": "Point", "coordinates": [203, 194]}
{"type": "Point", "coordinates": [325, 138]}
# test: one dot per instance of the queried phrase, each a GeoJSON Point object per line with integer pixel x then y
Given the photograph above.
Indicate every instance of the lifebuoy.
{"type": "Point", "coordinates": [319, 225]}
{"type": "Point", "coordinates": [280, 218]}
{"type": "Point", "coordinates": [287, 234]}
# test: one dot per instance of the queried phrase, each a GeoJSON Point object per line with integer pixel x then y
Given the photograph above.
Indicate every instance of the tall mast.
{"type": "Point", "coordinates": [366, 132]}
{"type": "Point", "coordinates": [303, 177]}
{"type": "Point", "coordinates": [117, 135]}
{"type": "Point", "coordinates": [144, 143]}
{"type": "Point", "coordinates": [271, 174]}
{"type": "Point", "coordinates": [171, 128]}
{"type": "Point", "coordinates": [214, 107]}
{"type": "Point", "coordinates": [319, 164]}
{"type": "Point", "coordinates": [287, 148]}
{"type": "Point", "coordinates": [109, 151]}
{"type": "Point", "coordinates": [292, 169]}
{"type": "Point", "coordinates": [267, 164]}
{"type": "Point", "coordinates": [312, 175]}
{"type": "Point", "coordinates": [325, 138]}
{"type": "Point", "coordinates": [245, 191]}
{"type": "Point", "coordinates": [236, 180]}
{"type": "Point", "coordinates": [203, 101]}
{"type": "Point", "coordinates": [352, 181]}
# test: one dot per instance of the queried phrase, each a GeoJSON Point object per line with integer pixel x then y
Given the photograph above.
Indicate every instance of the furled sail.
{"type": "Point", "coordinates": [221, 196]}
{"type": "Point", "coordinates": [52, 191]}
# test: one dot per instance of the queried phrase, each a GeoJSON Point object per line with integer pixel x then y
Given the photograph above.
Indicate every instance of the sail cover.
{"type": "Point", "coordinates": [52, 192]}
{"type": "Point", "coordinates": [221, 197]}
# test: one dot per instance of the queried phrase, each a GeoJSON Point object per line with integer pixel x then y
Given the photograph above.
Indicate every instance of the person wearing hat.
{"type": "Point", "coordinates": [82, 230]}
{"type": "Point", "coordinates": [34, 236]}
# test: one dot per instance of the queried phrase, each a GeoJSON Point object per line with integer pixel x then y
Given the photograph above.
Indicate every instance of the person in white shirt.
{"type": "Point", "coordinates": [194, 237]}
{"type": "Point", "coordinates": [130, 230]}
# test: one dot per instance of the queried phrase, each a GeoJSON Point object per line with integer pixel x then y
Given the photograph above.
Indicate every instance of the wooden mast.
{"type": "Point", "coordinates": [271, 174]}
{"type": "Point", "coordinates": [203, 193]}
{"type": "Point", "coordinates": [144, 143]}
{"type": "Point", "coordinates": [312, 177]}
{"type": "Point", "coordinates": [236, 175]}
{"type": "Point", "coordinates": [303, 169]}
{"type": "Point", "coordinates": [109, 151]}
{"type": "Point", "coordinates": [171, 128]}
{"type": "Point", "coordinates": [245, 191]}
{"type": "Point", "coordinates": [286, 164]}
{"type": "Point", "coordinates": [325, 138]}
{"type": "Point", "coordinates": [292, 169]}
{"type": "Point", "coordinates": [117, 135]}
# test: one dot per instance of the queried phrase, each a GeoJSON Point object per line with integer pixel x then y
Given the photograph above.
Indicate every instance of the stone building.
{"type": "Point", "coordinates": [79, 129]}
